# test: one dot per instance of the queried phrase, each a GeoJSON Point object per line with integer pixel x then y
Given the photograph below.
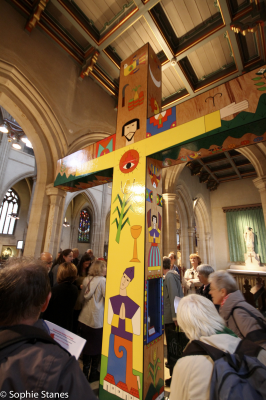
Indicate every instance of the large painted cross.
{"type": "Point", "coordinates": [148, 139]}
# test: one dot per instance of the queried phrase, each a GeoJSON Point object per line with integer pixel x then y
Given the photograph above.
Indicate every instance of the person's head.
{"type": "Point", "coordinates": [67, 272]}
{"type": "Point", "coordinates": [154, 219]}
{"type": "Point", "coordinates": [75, 252]}
{"type": "Point", "coordinates": [84, 264]}
{"type": "Point", "coordinates": [204, 270]}
{"type": "Point", "coordinates": [24, 291]}
{"type": "Point", "coordinates": [166, 264]}
{"type": "Point", "coordinates": [47, 259]}
{"type": "Point", "coordinates": [172, 257]}
{"type": "Point", "coordinates": [222, 283]}
{"type": "Point", "coordinates": [197, 316]}
{"type": "Point", "coordinates": [130, 128]}
{"type": "Point", "coordinates": [195, 260]}
{"type": "Point", "coordinates": [98, 268]}
{"type": "Point", "coordinates": [90, 252]}
{"type": "Point", "coordinates": [127, 277]}
{"type": "Point", "coordinates": [65, 256]}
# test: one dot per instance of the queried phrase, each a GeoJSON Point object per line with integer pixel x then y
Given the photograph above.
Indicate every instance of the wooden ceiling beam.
{"type": "Point", "coordinates": [227, 155]}
{"type": "Point", "coordinates": [167, 52]}
{"type": "Point", "coordinates": [208, 170]}
{"type": "Point", "coordinates": [232, 37]}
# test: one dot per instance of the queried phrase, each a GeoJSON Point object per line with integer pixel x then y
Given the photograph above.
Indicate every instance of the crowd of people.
{"type": "Point", "coordinates": [70, 292]}
{"type": "Point", "coordinates": [77, 301]}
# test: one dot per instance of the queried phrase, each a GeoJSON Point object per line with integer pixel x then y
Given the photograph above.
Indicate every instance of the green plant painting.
{"type": "Point", "coordinates": [125, 207]}
{"type": "Point", "coordinates": [154, 368]}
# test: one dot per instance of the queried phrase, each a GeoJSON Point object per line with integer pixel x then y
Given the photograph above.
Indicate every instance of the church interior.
{"type": "Point", "coordinates": [61, 92]}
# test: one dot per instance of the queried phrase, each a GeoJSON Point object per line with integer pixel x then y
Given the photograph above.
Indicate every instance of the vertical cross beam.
{"type": "Point", "coordinates": [133, 320]}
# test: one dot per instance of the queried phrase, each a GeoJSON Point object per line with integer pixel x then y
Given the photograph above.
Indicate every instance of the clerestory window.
{"type": "Point", "coordinates": [9, 206]}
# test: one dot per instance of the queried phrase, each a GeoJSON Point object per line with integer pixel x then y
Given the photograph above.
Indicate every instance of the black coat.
{"type": "Point", "coordinates": [205, 292]}
{"type": "Point", "coordinates": [61, 306]}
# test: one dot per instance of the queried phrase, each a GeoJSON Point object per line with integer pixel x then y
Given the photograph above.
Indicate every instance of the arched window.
{"type": "Point", "coordinates": [10, 205]}
{"type": "Point", "coordinates": [84, 227]}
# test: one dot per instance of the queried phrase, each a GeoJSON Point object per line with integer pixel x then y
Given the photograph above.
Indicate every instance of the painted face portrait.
{"type": "Point", "coordinates": [125, 281]}
{"type": "Point", "coordinates": [129, 130]}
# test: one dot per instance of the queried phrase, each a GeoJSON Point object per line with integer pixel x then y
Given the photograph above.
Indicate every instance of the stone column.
{"type": "Point", "coordinates": [38, 220]}
{"type": "Point", "coordinates": [102, 221]}
{"type": "Point", "coordinates": [30, 206]}
{"type": "Point", "coordinates": [5, 147]}
{"type": "Point", "coordinates": [169, 223]}
{"type": "Point", "coordinates": [260, 184]}
{"type": "Point", "coordinates": [208, 248]}
{"type": "Point", "coordinates": [191, 237]}
{"type": "Point", "coordinates": [55, 218]}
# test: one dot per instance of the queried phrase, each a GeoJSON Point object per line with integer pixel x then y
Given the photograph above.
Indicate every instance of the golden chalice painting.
{"type": "Point", "coordinates": [135, 233]}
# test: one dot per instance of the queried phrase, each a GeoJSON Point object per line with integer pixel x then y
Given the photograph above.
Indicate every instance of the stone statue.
{"type": "Point", "coordinates": [249, 239]}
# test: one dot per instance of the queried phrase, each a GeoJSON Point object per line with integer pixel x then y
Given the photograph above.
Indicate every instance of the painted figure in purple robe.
{"type": "Point", "coordinates": [125, 318]}
{"type": "Point", "coordinates": [154, 257]}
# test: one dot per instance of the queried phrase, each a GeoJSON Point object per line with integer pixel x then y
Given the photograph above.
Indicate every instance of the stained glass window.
{"type": "Point", "coordinates": [84, 227]}
{"type": "Point", "coordinates": [10, 204]}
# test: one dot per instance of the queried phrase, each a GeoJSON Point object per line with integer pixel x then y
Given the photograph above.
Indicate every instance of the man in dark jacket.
{"type": "Point", "coordinates": [30, 360]}
{"type": "Point", "coordinates": [171, 288]}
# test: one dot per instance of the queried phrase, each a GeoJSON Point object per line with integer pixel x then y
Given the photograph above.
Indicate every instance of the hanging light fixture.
{"type": "Point", "coordinates": [13, 216]}
{"type": "Point", "coordinates": [66, 224]}
{"type": "Point", "coordinates": [16, 144]}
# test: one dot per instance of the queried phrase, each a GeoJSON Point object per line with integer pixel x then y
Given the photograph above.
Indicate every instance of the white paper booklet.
{"type": "Point", "coordinates": [71, 342]}
{"type": "Point", "coordinates": [176, 302]}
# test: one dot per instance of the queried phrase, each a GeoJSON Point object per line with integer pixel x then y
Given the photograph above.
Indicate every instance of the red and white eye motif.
{"type": "Point", "coordinates": [129, 161]}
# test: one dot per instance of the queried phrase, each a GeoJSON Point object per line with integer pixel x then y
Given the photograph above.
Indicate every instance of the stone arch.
{"type": "Point", "coordinates": [203, 224]}
{"type": "Point", "coordinates": [86, 140]}
{"type": "Point", "coordinates": [170, 176]}
{"type": "Point", "coordinates": [186, 218]}
{"type": "Point", "coordinates": [25, 103]}
{"type": "Point", "coordinates": [87, 201]}
{"type": "Point", "coordinates": [13, 181]}
{"type": "Point", "coordinates": [256, 155]}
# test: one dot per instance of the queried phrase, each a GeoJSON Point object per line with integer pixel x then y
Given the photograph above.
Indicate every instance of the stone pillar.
{"type": "Point", "coordinates": [5, 147]}
{"type": "Point", "coordinates": [208, 248]}
{"type": "Point", "coordinates": [102, 221]}
{"type": "Point", "coordinates": [169, 223]}
{"type": "Point", "coordinates": [260, 184]}
{"type": "Point", "coordinates": [38, 220]}
{"type": "Point", "coordinates": [30, 206]}
{"type": "Point", "coordinates": [55, 218]}
{"type": "Point", "coordinates": [191, 238]}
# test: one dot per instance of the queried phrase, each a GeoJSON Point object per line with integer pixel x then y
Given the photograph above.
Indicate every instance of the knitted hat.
{"type": "Point", "coordinates": [130, 272]}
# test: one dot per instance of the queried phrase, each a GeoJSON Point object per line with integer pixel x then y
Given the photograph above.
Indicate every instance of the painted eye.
{"type": "Point", "coordinates": [128, 165]}
{"type": "Point", "coordinates": [129, 161]}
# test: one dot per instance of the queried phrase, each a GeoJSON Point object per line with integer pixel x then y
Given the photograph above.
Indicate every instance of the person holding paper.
{"type": "Point", "coordinates": [171, 289]}
{"type": "Point", "coordinates": [30, 360]}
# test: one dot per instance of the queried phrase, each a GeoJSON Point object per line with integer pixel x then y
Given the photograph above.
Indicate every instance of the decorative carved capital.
{"type": "Point", "coordinates": [90, 67]}
{"type": "Point", "coordinates": [51, 190]}
{"type": "Point", "coordinates": [260, 183]}
{"type": "Point", "coordinates": [169, 197]}
{"type": "Point", "coordinates": [36, 15]}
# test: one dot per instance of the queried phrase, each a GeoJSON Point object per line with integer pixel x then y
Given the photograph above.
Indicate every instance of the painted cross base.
{"type": "Point", "coordinates": [121, 390]}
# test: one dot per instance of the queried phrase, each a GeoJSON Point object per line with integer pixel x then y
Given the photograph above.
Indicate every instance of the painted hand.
{"type": "Point", "coordinates": [233, 108]}
{"type": "Point", "coordinates": [122, 313]}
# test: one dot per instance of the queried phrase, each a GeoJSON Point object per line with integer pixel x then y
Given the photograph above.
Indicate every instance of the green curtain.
{"type": "Point", "coordinates": [236, 223]}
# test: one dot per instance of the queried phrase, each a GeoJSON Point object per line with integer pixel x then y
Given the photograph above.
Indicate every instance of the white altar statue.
{"type": "Point", "coordinates": [249, 239]}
